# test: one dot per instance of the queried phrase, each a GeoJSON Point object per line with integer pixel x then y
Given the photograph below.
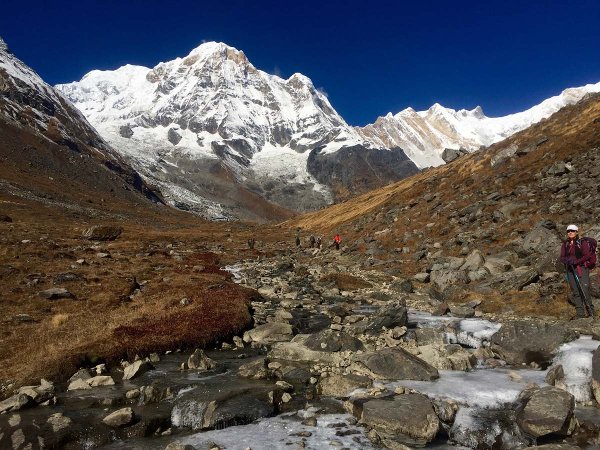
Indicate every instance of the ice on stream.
{"type": "Point", "coordinates": [576, 359]}
{"type": "Point", "coordinates": [472, 333]}
{"type": "Point", "coordinates": [332, 431]}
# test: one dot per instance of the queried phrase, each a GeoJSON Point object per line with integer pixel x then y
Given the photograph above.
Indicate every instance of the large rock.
{"type": "Point", "coordinates": [549, 410]}
{"type": "Point", "coordinates": [333, 341]}
{"type": "Point", "coordinates": [102, 233]}
{"type": "Point", "coordinates": [297, 351]}
{"type": "Point", "coordinates": [394, 364]}
{"type": "Point", "coordinates": [269, 333]}
{"type": "Point", "coordinates": [119, 418]}
{"type": "Point", "coordinates": [199, 361]}
{"type": "Point", "coordinates": [443, 278]}
{"type": "Point", "coordinates": [390, 316]}
{"type": "Point", "coordinates": [56, 293]}
{"type": "Point", "coordinates": [231, 406]}
{"type": "Point", "coordinates": [542, 241]}
{"type": "Point", "coordinates": [342, 385]}
{"type": "Point", "coordinates": [16, 402]}
{"type": "Point", "coordinates": [407, 419]}
{"type": "Point", "coordinates": [447, 357]}
{"type": "Point", "coordinates": [487, 428]}
{"type": "Point", "coordinates": [136, 369]}
{"type": "Point", "coordinates": [521, 342]}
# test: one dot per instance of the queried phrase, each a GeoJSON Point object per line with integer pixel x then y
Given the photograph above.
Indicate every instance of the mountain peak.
{"type": "Point", "coordinates": [3, 46]}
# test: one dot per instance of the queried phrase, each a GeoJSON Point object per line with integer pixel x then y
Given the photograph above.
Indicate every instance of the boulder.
{"type": "Point", "coordinates": [445, 277]}
{"type": "Point", "coordinates": [297, 351]}
{"type": "Point", "coordinates": [464, 311]}
{"type": "Point", "coordinates": [78, 384]}
{"type": "Point", "coordinates": [59, 422]}
{"type": "Point", "coordinates": [447, 357]}
{"type": "Point", "coordinates": [473, 262]}
{"type": "Point", "coordinates": [406, 419]}
{"type": "Point", "coordinates": [390, 316]}
{"type": "Point", "coordinates": [102, 233]}
{"type": "Point", "coordinates": [522, 342]}
{"type": "Point", "coordinates": [542, 241]}
{"type": "Point", "coordinates": [394, 364]}
{"type": "Point", "coordinates": [549, 410]}
{"type": "Point", "coordinates": [100, 380]}
{"type": "Point", "coordinates": [503, 155]}
{"type": "Point", "coordinates": [269, 333]}
{"type": "Point", "coordinates": [16, 402]}
{"type": "Point", "coordinates": [179, 446]}
{"type": "Point", "coordinates": [231, 406]}
{"type": "Point", "coordinates": [136, 369]}
{"type": "Point", "coordinates": [333, 341]}
{"type": "Point", "coordinates": [342, 385]}
{"type": "Point", "coordinates": [199, 361]}
{"type": "Point", "coordinates": [487, 428]}
{"type": "Point", "coordinates": [119, 418]}
{"type": "Point", "coordinates": [56, 293]}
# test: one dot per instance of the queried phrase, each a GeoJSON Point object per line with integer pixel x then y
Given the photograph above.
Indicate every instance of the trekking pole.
{"type": "Point", "coordinates": [586, 302]}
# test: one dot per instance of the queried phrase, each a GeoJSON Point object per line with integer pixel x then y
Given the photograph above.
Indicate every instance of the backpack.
{"type": "Point", "coordinates": [591, 263]}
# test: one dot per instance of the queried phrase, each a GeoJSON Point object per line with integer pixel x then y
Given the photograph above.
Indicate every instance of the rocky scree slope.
{"type": "Point", "coordinates": [488, 224]}
{"type": "Point", "coordinates": [439, 135]}
{"type": "Point", "coordinates": [42, 130]}
{"type": "Point", "coordinates": [206, 125]}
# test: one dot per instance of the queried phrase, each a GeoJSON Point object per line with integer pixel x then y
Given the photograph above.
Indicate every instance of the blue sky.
{"type": "Point", "coordinates": [369, 57]}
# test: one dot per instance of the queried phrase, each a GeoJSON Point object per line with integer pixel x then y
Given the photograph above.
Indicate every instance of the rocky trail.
{"type": "Point", "coordinates": [337, 357]}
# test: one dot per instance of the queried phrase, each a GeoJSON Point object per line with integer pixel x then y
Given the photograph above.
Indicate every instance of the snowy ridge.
{"type": "Point", "coordinates": [424, 135]}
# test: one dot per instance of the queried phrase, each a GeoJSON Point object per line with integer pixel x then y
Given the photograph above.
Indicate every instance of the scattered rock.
{"type": "Point", "coordinates": [549, 410]}
{"type": "Point", "coordinates": [199, 361]}
{"type": "Point", "coordinates": [136, 369]}
{"type": "Point", "coordinates": [102, 233]}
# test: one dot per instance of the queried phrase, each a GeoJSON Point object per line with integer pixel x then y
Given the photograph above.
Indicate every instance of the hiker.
{"type": "Point", "coordinates": [312, 241]}
{"type": "Point", "coordinates": [298, 239]}
{"type": "Point", "coordinates": [578, 256]}
{"type": "Point", "coordinates": [336, 241]}
{"type": "Point", "coordinates": [251, 243]}
{"type": "Point", "coordinates": [318, 243]}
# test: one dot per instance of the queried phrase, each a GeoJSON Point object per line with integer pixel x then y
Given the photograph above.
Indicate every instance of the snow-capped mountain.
{"type": "Point", "coordinates": [204, 125]}
{"type": "Point", "coordinates": [424, 135]}
{"type": "Point", "coordinates": [32, 105]}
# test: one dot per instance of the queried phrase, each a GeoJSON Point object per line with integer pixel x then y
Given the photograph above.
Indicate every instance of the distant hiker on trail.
{"type": "Point", "coordinates": [312, 241]}
{"type": "Point", "coordinates": [579, 256]}
{"type": "Point", "coordinates": [336, 241]}
{"type": "Point", "coordinates": [251, 243]}
{"type": "Point", "coordinates": [318, 244]}
{"type": "Point", "coordinates": [298, 239]}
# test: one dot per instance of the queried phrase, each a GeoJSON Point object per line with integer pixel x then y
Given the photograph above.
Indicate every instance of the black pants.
{"type": "Point", "coordinates": [584, 281]}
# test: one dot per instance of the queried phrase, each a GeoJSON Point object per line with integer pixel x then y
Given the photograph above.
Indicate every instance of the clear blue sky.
{"type": "Point", "coordinates": [370, 57]}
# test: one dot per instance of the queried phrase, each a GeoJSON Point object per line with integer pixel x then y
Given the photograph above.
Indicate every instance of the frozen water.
{"type": "Point", "coordinates": [277, 432]}
{"type": "Point", "coordinates": [479, 388]}
{"type": "Point", "coordinates": [473, 333]}
{"type": "Point", "coordinates": [576, 359]}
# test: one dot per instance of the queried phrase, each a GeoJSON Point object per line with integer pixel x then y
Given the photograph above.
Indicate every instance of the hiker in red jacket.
{"type": "Point", "coordinates": [336, 241]}
{"type": "Point", "coordinates": [578, 257]}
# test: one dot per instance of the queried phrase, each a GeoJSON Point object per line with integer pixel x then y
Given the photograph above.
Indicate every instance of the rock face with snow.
{"type": "Point", "coordinates": [206, 125]}
{"type": "Point", "coordinates": [30, 104]}
{"type": "Point", "coordinates": [425, 135]}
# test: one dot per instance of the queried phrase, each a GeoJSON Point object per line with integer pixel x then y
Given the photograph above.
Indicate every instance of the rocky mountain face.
{"type": "Point", "coordinates": [425, 135]}
{"type": "Point", "coordinates": [28, 105]}
{"type": "Point", "coordinates": [203, 126]}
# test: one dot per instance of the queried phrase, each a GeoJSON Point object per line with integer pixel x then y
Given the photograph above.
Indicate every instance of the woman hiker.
{"type": "Point", "coordinates": [577, 256]}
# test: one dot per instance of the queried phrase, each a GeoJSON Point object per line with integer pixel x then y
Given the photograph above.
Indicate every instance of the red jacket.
{"type": "Point", "coordinates": [576, 252]}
